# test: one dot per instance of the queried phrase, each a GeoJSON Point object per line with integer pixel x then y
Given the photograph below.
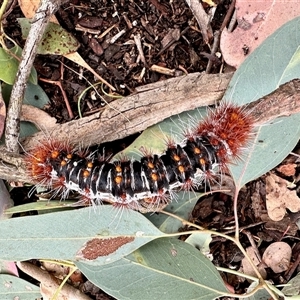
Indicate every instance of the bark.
{"type": "Point", "coordinates": [150, 105]}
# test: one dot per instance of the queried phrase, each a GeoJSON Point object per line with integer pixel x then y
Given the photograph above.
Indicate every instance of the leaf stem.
{"type": "Point", "coordinates": [2, 10]}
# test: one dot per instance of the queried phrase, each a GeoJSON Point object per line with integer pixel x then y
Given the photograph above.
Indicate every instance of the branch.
{"type": "Point", "coordinates": [284, 101]}
{"type": "Point", "coordinates": [150, 105]}
{"type": "Point", "coordinates": [39, 23]}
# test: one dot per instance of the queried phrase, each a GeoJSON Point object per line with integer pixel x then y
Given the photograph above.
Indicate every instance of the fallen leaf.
{"type": "Point", "coordinates": [278, 256]}
{"type": "Point", "coordinates": [256, 21]}
{"type": "Point", "coordinates": [247, 267]}
{"type": "Point", "coordinates": [56, 40]}
{"type": "Point", "coordinates": [279, 197]}
{"type": "Point", "coordinates": [37, 116]}
{"type": "Point", "coordinates": [29, 8]}
{"type": "Point", "coordinates": [288, 169]}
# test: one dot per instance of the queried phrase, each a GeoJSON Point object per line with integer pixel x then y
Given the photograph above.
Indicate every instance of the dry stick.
{"type": "Point", "coordinates": [64, 94]}
{"type": "Point", "coordinates": [217, 35]}
{"type": "Point", "coordinates": [49, 283]}
{"type": "Point", "coordinates": [151, 104]}
{"type": "Point", "coordinates": [39, 23]}
{"type": "Point", "coordinates": [284, 101]}
{"type": "Point", "coordinates": [202, 18]}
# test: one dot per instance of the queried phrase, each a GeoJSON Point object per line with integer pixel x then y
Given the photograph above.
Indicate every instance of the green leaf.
{"type": "Point", "coordinates": [56, 40]}
{"type": "Point", "coordinates": [182, 207]}
{"type": "Point", "coordinates": [293, 286]}
{"type": "Point", "coordinates": [9, 66]}
{"type": "Point", "coordinates": [34, 95]}
{"type": "Point", "coordinates": [154, 139]}
{"type": "Point", "coordinates": [12, 287]}
{"type": "Point", "coordinates": [98, 236]}
{"type": "Point", "coordinates": [275, 62]}
{"type": "Point", "coordinates": [200, 240]}
{"type": "Point", "coordinates": [27, 129]}
{"type": "Point", "coordinates": [163, 269]}
{"type": "Point", "coordinates": [39, 206]}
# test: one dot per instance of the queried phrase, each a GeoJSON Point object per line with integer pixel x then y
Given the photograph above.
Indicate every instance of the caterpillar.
{"type": "Point", "coordinates": [201, 156]}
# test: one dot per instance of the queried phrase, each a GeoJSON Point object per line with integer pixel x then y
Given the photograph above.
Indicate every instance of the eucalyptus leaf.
{"type": "Point", "coordinates": [12, 287]}
{"type": "Point", "coordinates": [34, 95]}
{"type": "Point", "coordinates": [182, 207]}
{"type": "Point", "coordinates": [9, 65]}
{"type": "Point", "coordinates": [39, 206]}
{"type": "Point", "coordinates": [96, 236]}
{"type": "Point", "coordinates": [293, 286]}
{"type": "Point", "coordinates": [56, 40]}
{"type": "Point", "coordinates": [27, 129]}
{"type": "Point", "coordinates": [273, 63]}
{"type": "Point", "coordinates": [200, 240]}
{"type": "Point", "coordinates": [163, 269]}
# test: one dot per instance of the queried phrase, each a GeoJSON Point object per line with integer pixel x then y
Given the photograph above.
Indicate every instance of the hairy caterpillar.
{"type": "Point", "coordinates": [205, 151]}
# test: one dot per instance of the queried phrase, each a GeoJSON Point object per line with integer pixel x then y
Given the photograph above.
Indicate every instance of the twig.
{"type": "Point", "coordinates": [59, 84]}
{"type": "Point", "coordinates": [126, 116]}
{"type": "Point", "coordinates": [217, 35]}
{"type": "Point", "coordinates": [137, 40]}
{"type": "Point", "coordinates": [202, 19]}
{"type": "Point", "coordinates": [49, 283]}
{"type": "Point", "coordinates": [9, 9]}
{"type": "Point", "coordinates": [39, 23]}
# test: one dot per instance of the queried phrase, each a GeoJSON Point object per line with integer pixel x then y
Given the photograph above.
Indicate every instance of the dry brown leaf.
{"type": "Point", "coordinates": [202, 18]}
{"type": "Point", "coordinates": [247, 267]}
{"type": "Point", "coordinates": [278, 256]}
{"type": "Point", "coordinates": [37, 116]}
{"type": "Point", "coordinates": [287, 169]}
{"type": "Point", "coordinates": [279, 197]}
{"type": "Point", "coordinates": [256, 21]}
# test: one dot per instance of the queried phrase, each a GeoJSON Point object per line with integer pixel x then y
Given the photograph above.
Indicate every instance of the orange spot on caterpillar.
{"type": "Point", "coordinates": [202, 161]}
{"type": "Point", "coordinates": [197, 150]}
{"type": "Point", "coordinates": [86, 173]}
{"type": "Point", "coordinates": [181, 169]}
{"type": "Point", "coordinates": [176, 157]}
{"type": "Point", "coordinates": [54, 154]}
{"type": "Point", "coordinates": [118, 179]}
{"type": "Point", "coordinates": [150, 165]}
{"type": "Point", "coordinates": [154, 176]}
{"type": "Point", "coordinates": [118, 169]}
{"type": "Point", "coordinates": [63, 163]}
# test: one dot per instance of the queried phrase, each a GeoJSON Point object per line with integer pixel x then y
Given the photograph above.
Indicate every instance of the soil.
{"type": "Point", "coordinates": [171, 39]}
